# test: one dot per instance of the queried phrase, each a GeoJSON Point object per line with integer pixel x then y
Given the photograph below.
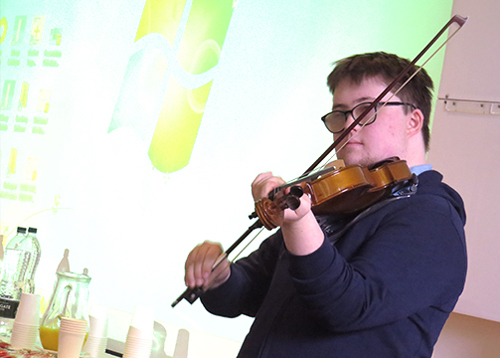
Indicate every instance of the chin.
{"type": "Point", "coordinates": [359, 160]}
{"type": "Point", "coordinates": [353, 161]}
{"type": "Point", "coordinates": [351, 158]}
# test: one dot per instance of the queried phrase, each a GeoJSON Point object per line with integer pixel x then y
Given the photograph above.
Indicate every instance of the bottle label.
{"type": "Point", "coordinates": [8, 308]}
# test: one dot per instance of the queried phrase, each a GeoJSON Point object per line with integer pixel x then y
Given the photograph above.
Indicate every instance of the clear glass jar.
{"type": "Point", "coordinates": [69, 299]}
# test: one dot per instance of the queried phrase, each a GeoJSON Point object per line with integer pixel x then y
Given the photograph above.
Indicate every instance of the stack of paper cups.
{"type": "Point", "coordinates": [27, 322]}
{"type": "Point", "coordinates": [72, 334]}
{"type": "Point", "coordinates": [140, 334]}
{"type": "Point", "coordinates": [98, 333]}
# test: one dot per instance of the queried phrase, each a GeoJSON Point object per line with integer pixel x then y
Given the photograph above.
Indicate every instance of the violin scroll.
{"type": "Point", "coordinates": [270, 209]}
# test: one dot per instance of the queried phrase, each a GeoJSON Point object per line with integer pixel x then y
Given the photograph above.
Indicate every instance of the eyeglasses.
{"type": "Point", "coordinates": [335, 120]}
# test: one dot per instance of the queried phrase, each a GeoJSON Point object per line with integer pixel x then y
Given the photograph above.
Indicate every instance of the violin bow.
{"type": "Point", "coordinates": [192, 294]}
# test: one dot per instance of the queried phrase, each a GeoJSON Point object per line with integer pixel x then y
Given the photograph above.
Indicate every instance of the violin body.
{"type": "Point", "coordinates": [355, 187]}
{"type": "Point", "coordinates": [345, 190]}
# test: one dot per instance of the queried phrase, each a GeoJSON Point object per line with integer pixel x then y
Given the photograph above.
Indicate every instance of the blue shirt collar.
{"type": "Point", "coordinates": [419, 169]}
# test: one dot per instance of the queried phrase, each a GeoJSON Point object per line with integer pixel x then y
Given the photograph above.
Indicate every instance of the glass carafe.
{"type": "Point", "coordinates": [69, 299]}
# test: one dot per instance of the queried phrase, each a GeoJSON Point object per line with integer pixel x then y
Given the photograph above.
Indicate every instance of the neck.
{"type": "Point", "coordinates": [415, 154]}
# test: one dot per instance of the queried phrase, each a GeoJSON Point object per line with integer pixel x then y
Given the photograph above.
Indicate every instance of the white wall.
{"type": "Point", "coordinates": [464, 146]}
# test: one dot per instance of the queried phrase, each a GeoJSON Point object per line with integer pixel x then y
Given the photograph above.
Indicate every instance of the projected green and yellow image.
{"type": "Point", "coordinates": [196, 45]}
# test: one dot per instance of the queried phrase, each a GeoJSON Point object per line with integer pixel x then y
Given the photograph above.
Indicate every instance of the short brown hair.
{"type": "Point", "coordinates": [388, 66]}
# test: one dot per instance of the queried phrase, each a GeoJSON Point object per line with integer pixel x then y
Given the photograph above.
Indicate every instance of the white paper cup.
{"type": "Point", "coordinates": [28, 311]}
{"type": "Point", "coordinates": [137, 348]}
{"type": "Point", "coordinates": [96, 346]}
{"type": "Point", "coordinates": [143, 319]}
{"type": "Point", "coordinates": [140, 334]}
{"type": "Point", "coordinates": [73, 325]}
{"type": "Point", "coordinates": [98, 326]}
{"type": "Point", "coordinates": [134, 332]}
{"type": "Point", "coordinates": [70, 344]}
{"type": "Point", "coordinates": [23, 336]}
{"type": "Point", "coordinates": [26, 324]}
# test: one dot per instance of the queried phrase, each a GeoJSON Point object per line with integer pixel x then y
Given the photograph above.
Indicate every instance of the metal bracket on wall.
{"type": "Point", "coordinates": [470, 106]}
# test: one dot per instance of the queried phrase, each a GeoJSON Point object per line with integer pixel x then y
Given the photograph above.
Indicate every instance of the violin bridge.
{"type": "Point", "coordinates": [336, 164]}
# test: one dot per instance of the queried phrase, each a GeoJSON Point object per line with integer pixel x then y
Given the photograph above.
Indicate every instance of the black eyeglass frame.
{"type": "Point", "coordinates": [351, 112]}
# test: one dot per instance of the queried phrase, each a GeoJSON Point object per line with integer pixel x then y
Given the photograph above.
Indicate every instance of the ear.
{"type": "Point", "coordinates": [415, 123]}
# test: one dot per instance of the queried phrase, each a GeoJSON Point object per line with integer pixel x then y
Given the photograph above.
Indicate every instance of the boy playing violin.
{"type": "Point", "coordinates": [376, 283]}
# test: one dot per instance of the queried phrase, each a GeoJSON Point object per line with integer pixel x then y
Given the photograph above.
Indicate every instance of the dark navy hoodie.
{"type": "Point", "coordinates": [383, 287]}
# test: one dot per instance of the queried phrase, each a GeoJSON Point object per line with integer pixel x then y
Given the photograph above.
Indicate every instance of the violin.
{"type": "Point", "coordinates": [338, 189]}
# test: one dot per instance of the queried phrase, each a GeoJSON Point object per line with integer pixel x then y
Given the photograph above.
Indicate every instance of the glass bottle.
{"type": "Point", "coordinates": [15, 264]}
{"type": "Point", "coordinates": [31, 243]}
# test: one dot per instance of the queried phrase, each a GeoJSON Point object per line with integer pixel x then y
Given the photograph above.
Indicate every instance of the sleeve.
{"type": "Point", "coordinates": [248, 283]}
{"type": "Point", "coordinates": [414, 259]}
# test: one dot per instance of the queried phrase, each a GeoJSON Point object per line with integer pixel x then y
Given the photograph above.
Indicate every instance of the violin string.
{"type": "Point", "coordinates": [420, 68]}
{"type": "Point", "coordinates": [297, 180]}
{"type": "Point", "coordinates": [248, 244]}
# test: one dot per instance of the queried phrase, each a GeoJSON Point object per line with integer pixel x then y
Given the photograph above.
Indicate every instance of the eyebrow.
{"type": "Point", "coordinates": [357, 101]}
